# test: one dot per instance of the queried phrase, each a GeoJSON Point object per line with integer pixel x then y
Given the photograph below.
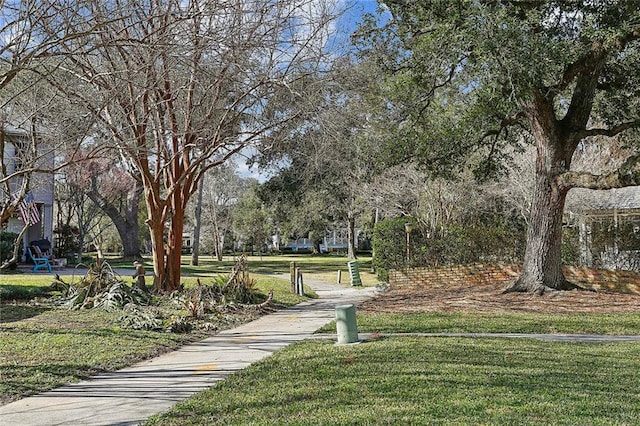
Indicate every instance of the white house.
{"type": "Point", "coordinates": [41, 186]}
{"type": "Point", "coordinates": [608, 226]}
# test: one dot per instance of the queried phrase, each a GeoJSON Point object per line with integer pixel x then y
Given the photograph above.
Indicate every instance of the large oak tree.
{"type": "Point", "coordinates": [478, 77]}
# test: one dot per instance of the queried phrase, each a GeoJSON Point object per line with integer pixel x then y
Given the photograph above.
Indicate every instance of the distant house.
{"type": "Point", "coordinates": [608, 226]}
{"type": "Point", "coordinates": [335, 239]}
{"type": "Point", "coordinates": [41, 188]}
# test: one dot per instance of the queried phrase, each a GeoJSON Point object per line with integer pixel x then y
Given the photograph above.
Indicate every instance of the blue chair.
{"type": "Point", "coordinates": [39, 262]}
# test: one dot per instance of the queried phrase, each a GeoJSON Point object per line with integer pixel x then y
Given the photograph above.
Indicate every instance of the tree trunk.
{"type": "Point", "coordinates": [174, 250]}
{"type": "Point", "coordinates": [126, 222]}
{"type": "Point", "coordinates": [542, 266]}
{"type": "Point", "coordinates": [156, 229]}
{"type": "Point", "coordinates": [196, 231]}
{"type": "Point", "coordinates": [351, 235]}
{"type": "Point", "coordinates": [374, 220]}
{"type": "Point", "coordinates": [131, 239]}
{"type": "Point", "coordinates": [218, 244]}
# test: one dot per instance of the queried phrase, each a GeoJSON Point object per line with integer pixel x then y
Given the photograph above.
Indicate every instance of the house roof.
{"type": "Point", "coordinates": [588, 200]}
{"type": "Point", "coordinates": [13, 131]}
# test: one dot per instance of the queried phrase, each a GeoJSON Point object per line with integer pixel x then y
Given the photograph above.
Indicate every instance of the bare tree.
{"type": "Point", "coordinates": [27, 40]}
{"type": "Point", "coordinates": [179, 84]}
{"type": "Point", "coordinates": [221, 189]}
{"type": "Point", "coordinates": [76, 209]}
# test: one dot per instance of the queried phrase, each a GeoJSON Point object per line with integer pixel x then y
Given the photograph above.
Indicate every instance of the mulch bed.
{"type": "Point", "coordinates": [489, 298]}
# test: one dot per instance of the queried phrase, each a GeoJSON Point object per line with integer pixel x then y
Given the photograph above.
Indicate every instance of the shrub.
{"type": "Point", "coordinates": [7, 241]}
{"type": "Point", "coordinates": [66, 241]}
{"type": "Point", "coordinates": [390, 246]}
{"type": "Point", "coordinates": [490, 239]}
{"type": "Point", "coordinates": [570, 246]}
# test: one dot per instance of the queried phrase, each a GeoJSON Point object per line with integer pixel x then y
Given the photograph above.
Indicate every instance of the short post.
{"type": "Point", "coordinates": [292, 270]}
{"type": "Point", "coordinates": [299, 283]}
{"type": "Point", "coordinates": [346, 326]}
{"type": "Point", "coordinates": [339, 277]}
{"type": "Point", "coordinates": [408, 227]}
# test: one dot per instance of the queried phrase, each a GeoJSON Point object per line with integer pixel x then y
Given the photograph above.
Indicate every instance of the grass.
{"type": "Point", "coordinates": [427, 381]}
{"type": "Point", "coordinates": [441, 322]}
{"type": "Point", "coordinates": [323, 267]}
{"type": "Point", "coordinates": [393, 380]}
{"type": "Point", "coordinates": [57, 347]}
{"type": "Point", "coordinates": [42, 348]}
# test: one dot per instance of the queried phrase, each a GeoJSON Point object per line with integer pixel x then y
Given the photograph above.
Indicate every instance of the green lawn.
{"type": "Point", "coordinates": [323, 267]}
{"type": "Point", "coordinates": [413, 380]}
{"type": "Point", "coordinates": [427, 381]}
{"type": "Point", "coordinates": [459, 322]}
{"type": "Point", "coordinates": [58, 347]}
{"type": "Point", "coordinates": [42, 348]}
{"type": "Point", "coordinates": [393, 380]}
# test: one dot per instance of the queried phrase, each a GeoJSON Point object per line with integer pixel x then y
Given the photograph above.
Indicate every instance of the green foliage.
{"type": "Point", "coordinates": [606, 244]}
{"type": "Point", "coordinates": [7, 241]}
{"type": "Point", "coordinates": [389, 245]}
{"type": "Point", "coordinates": [607, 236]}
{"type": "Point", "coordinates": [492, 241]}
{"type": "Point", "coordinates": [20, 292]}
{"type": "Point", "coordinates": [570, 246]}
{"type": "Point", "coordinates": [480, 62]}
{"type": "Point", "coordinates": [485, 239]}
{"type": "Point", "coordinates": [250, 220]}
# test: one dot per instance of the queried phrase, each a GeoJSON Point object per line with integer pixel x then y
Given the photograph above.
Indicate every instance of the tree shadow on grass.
{"type": "Point", "coordinates": [12, 312]}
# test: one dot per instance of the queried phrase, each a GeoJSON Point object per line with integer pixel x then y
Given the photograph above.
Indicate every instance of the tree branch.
{"type": "Point", "coordinates": [509, 120]}
{"type": "Point", "coordinates": [613, 131]}
{"type": "Point", "coordinates": [627, 175]}
{"type": "Point", "coordinates": [585, 62]}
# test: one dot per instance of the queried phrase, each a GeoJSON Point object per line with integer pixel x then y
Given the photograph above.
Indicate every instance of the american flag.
{"type": "Point", "coordinates": [28, 210]}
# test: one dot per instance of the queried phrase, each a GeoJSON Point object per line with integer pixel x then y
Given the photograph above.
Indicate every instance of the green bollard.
{"type": "Point", "coordinates": [346, 326]}
{"type": "Point", "coordinates": [354, 273]}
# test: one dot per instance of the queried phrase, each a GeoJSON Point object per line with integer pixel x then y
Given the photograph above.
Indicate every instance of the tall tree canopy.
{"type": "Point", "coordinates": [480, 77]}
{"type": "Point", "coordinates": [328, 159]}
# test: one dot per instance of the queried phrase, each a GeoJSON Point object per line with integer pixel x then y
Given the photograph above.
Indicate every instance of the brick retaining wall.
{"type": "Point", "coordinates": [483, 274]}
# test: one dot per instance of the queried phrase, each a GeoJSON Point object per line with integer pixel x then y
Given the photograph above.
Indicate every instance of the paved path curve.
{"type": "Point", "coordinates": [131, 395]}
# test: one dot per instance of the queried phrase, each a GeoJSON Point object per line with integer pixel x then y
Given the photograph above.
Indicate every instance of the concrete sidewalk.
{"type": "Point", "coordinates": [131, 395]}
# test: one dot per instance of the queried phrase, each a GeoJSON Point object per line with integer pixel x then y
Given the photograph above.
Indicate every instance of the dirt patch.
{"type": "Point", "coordinates": [489, 298]}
